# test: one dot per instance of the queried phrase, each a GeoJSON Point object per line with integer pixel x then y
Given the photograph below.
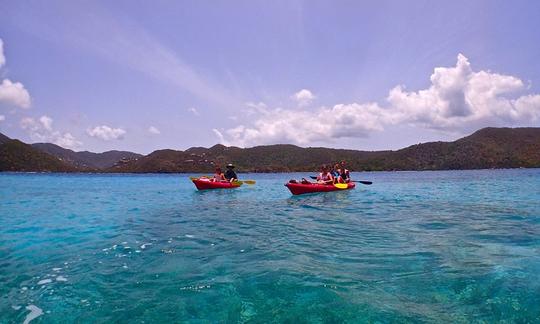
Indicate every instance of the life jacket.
{"type": "Point", "coordinates": [230, 174]}
{"type": "Point", "coordinates": [218, 177]}
{"type": "Point", "coordinates": [325, 176]}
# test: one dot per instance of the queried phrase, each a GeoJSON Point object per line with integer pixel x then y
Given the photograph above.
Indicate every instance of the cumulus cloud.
{"type": "Point", "coordinates": [46, 122]}
{"type": "Point", "coordinates": [458, 99]}
{"type": "Point", "coordinates": [106, 133]}
{"type": "Point", "coordinates": [303, 127]}
{"type": "Point", "coordinates": [41, 130]}
{"type": "Point", "coordinates": [303, 97]}
{"type": "Point", "coordinates": [153, 130]}
{"type": "Point", "coordinates": [12, 93]}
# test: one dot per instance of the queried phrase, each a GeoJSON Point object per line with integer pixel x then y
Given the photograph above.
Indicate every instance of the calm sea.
{"type": "Point", "coordinates": [454, 246]}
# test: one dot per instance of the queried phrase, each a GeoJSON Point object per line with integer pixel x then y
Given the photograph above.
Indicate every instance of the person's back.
{"type": "Point", "coordinates": [336, 171]}
{"type": "Point", "coordinates": [344, 173]}
{"type": "Point", "coordinates": [230, 175]}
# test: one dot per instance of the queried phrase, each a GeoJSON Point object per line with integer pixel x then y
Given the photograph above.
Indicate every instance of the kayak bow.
{"type": "Point", "coordinates": [205, 184]}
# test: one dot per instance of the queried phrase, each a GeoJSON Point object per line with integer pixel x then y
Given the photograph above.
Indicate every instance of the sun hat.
{"type": "Point", "coordinates": [230, 165]}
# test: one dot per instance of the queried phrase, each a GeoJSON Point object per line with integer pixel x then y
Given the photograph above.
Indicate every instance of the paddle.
{"type": "Point", "coordinates": [359, 181]}
{"type": "Point", "coordinates": [341, 185]}
{"type": "Point", "coordinates": [249, 182]}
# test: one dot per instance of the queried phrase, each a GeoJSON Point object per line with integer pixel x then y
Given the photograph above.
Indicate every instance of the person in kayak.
{"type": "Point", "coordinates": [230, 175]}
{"type": "Point", "coordinates": [325, 177]}
{"type": "Point", "coordinates": [218, 175]}
{"type": "Point", "coordinates": [344, 174]}
{"type": "Point", "coordinates": [336, 171]}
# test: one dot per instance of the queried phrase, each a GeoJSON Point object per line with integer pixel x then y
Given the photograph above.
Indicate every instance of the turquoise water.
{"type": "Point", "coordinates": [456, 246]}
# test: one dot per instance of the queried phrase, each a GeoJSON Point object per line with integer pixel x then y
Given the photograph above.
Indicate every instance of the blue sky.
{"type": "Point", "coordinates": [141, 75]}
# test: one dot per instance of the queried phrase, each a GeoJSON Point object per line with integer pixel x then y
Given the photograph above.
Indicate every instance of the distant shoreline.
{"type": "Point", "coordinates": [488, 148]}
{"type": "Point", "coordinates": [209, 172]}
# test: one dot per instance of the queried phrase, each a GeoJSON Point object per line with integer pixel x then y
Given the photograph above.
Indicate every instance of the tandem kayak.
{"type": "Point", "coordinates": [304, 188]}
{"type": "Point", "coordinates": [204, 184]}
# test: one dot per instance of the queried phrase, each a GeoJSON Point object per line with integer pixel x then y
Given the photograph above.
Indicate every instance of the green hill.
{"type": "Point", "coordinates": [18, 156]}
{"type": "Point", "coordinates": [486, 148]}
{"type": "Point", "coordinates": [85, 159]}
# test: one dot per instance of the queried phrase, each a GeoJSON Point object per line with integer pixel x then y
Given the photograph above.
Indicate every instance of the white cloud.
{"type": "Point", "coordinates": [458, 99]}
{"type": "Point", "coordinates": [41, 130]}
{"type": "Point", "coordinates": [194, 111]}
{"type": "Point", "coordinates": [67, 140]}
{"type": "Point", "coordinates": [303, 127]}
{"type": "Point", "coordinates": [46, 122]}
{"type": "Point", "coordinates": [106, 133]}
{"type": "Point", "coordinates": [2, 57]}
{"type": "Point", "coordinates": [303, 97]}
{"type": "Point", "coordinates": [256, 108]}
{"type": "Point", "coordinates": [14, 93]}
{"type": "Point", "coordinates": [2, 118]}
{"type": "Point", "coordinates": [153, 130]}
{"type": "Point", "coordinates": [220, 137]}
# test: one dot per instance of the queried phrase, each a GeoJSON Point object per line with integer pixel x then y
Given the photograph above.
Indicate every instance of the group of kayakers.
{"type": "Point", "coordinates": [336, 174]}
{"type": "Point", "coordinates": [332, 175]}
{"type": "Point", "coordinates": [228, 176]}
{"type": "Point", "coordinates": [328, 175]}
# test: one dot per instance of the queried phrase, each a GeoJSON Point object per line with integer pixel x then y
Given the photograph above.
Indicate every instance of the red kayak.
{"type": "Point", "coordinates": [204, 184]}
{"type": "Point", "coordinates": [304, 188]}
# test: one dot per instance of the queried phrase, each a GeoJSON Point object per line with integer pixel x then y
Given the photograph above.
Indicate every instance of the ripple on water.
{"type": "Point", "coordinates": [413, 247]}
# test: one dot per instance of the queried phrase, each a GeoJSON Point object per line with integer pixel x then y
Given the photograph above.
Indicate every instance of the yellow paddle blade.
{"type": "Point", "coordinates": [249, 182]}
{"type": "Point", "coordinates": [341, 185]}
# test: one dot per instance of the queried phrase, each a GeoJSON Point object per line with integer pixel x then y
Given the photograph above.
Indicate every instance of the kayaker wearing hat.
{"type": "Point", "coordinates": [230, 175]}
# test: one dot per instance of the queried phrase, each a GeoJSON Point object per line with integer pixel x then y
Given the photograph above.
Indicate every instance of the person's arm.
{"type": "Point", "coordinates": [331, 180]}
{"type": "Point", "coordinates": [234, 177]}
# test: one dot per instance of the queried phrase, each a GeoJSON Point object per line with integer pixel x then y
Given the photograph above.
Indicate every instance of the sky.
{"type": "Point", "coordinates": [368, 75]}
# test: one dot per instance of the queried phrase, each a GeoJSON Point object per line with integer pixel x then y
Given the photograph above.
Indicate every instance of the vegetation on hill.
{"type": "Point", "coordinates": [486, 148]}
{"type": "Point", "coordinates": [85, 159]}
{"type": "Point", "coordinates": [18, 156]}
{"type": "Point", "coordinates": [4, 138]}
